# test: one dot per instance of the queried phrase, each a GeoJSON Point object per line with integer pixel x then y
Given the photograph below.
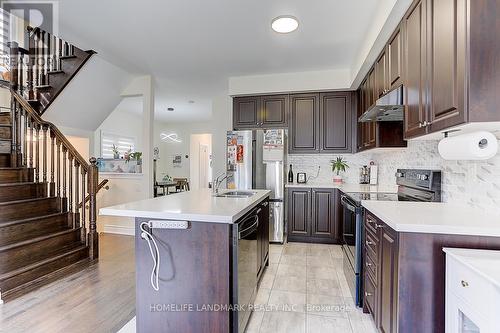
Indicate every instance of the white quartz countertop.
{"type": "Point", "coordinates": [484, 262]}
{"type": "Point", "coordinates": [195, 206]}
{"type": "Point", "coordinates": [346, 187]}
{"type": "Point", "coordinates": [435, 218]}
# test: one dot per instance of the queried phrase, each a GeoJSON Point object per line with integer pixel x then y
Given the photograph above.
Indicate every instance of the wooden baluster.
{"type": "Point", "coordinates": [44, 153]}
{"type": "Point", "coordinates": [52, 185]}
{"type": "Point", "coordinates": [18, 135]}
{"type": "Point", "coordinates": [70, 183]}
{"type": "Point", "coordinates": [42, 58]}
{"type": "Point", "coordinates": [25, 137]}
{"type": "Point", "coordinates": [21, 70]}
{"type": "Point", "coordinates": [14, 74]}
{"type": "Point", "coordinates": [32, 139]}
{"type": "Point", "coordinates": [47, 57]}
{"type": "Point", "coordinates": [93, 236]}
{"type": "Point", "coordinates": [66, 49]}
{"type": "Point", "coordinates": [36, 54]}
{"type": "Point", "coordinates": [59, 53]}
{"type": "Point", "coordinates": [64, 177]}
{"type": "Point", "coordinates": [84, 194]}
{"type": "Point", "coordinates": [58, 173]}
{"type": "Point", "coordinates": [13, 147]}
{"type": "Point", "coordinates": [77, 195]}
{"type": "Point", "coordinates": [29, 66]}
{"type": "Point", "coordinates": [37, 153]}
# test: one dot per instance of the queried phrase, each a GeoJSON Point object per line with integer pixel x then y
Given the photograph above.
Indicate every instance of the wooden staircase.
{"type": "Point", "coordinates": [45, 67]}
{"type": "Point", "coordinates": [46, 229]}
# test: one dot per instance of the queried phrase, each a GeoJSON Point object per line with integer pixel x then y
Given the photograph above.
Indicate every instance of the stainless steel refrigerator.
{"type": "Point", "coordinates": [256, 160]}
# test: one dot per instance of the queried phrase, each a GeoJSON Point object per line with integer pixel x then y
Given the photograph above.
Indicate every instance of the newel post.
{"type": "Point", "coordinates": [93, 236]}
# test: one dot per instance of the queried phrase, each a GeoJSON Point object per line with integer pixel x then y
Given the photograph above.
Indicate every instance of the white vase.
{"type": "Point", "coordinates": [337, 179]}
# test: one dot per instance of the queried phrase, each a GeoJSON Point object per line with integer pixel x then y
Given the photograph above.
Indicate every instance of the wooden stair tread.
{"type": "Point", "coordinates": [11, 223]}
{"type": "Point", "coordinates": [46, 279]}
{"type": "Point", "coordinates": [55, 72]}
{"type": "Point", "coordinates": [43, 86]}
{"type": "Point", "coordinates": [17, 184]}
{"type": "Point", "coordinates": [25, 200]}
{"type": "Point", "coordinates": [56, 255]}
{"type": "Point", "coordinates": [68, 57]}
{"type": "Point", "coordinates": [36, 239]}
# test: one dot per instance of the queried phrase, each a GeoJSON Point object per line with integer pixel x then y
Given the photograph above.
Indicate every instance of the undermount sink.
{"type": "Point", "coordinates": [236, 194]}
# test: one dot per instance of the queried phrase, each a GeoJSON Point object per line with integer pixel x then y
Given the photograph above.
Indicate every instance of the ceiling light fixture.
{"type": "Point", "coordinates": [285, 24]}
{"type": "Point", "coordinates": [170, 137]}
{"type": "Point", "coordinates": [170, 109]}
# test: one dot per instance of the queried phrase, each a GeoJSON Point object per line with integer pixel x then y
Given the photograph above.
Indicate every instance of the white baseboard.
{"type": "Point", "coordinates": [119, 230]}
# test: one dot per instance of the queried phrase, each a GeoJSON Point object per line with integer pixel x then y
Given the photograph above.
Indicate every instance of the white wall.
{"type": "Point", "coordinates": [122, 188]}
{"type": "Point", "coordinates": [286, 82]}
{"type": "Point", "coordinates": [169, 148]}
{"type": "Point", "coordinates": [195, 142]}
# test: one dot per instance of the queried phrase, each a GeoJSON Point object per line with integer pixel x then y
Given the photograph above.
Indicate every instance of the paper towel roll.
{"type": "Point", "coordinates": [480, 145]}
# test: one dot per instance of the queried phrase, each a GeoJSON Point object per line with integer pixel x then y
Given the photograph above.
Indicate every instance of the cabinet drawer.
{"type": "Point", "coordinates": [371, 244]}
{"type": "Point", "coordinates": [371, 223]}
{"type": "Point", "coordinates": [370, 295]}
{"type": "Point", "coordinates": [468, 285]}
{"type": "Point", "coordinates": [371, 266]}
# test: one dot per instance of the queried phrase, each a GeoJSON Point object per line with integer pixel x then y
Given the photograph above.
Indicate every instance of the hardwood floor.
{"type": "Point", "coordinates": [98, 299]}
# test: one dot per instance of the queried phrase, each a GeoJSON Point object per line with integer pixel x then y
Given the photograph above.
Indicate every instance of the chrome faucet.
{"type": "Point", "coordinates": [218, 181]}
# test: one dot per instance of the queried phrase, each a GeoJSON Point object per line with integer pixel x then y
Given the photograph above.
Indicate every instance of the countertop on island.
{"type": "Point", "coordinates": [347, 187]}
{"type": "Point", "coordinates": [195, 206]}
{"type": "Point", "coordinates": [435, 218]}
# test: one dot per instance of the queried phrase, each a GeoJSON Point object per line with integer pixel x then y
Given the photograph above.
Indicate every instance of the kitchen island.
{"type": "Point", "coordinates": [212, 252]}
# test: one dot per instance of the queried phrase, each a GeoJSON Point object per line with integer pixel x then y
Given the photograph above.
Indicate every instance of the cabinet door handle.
{"type": "Point", "coordinates": [370, 220]}
{"type": "Point", "coordinates": [367, 294]}
{"type": "Point", "coordinates": [368, 264]}
{"type": "Point", "coordinates": [369, 243]}
{"type": "Point", "coordinates": [465, 284]}
{"type": "Point", "coordinates": [379, 226]}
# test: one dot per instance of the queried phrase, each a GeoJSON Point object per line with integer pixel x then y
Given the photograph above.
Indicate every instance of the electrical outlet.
{"type": "Point", "coordinates": [159, 224]}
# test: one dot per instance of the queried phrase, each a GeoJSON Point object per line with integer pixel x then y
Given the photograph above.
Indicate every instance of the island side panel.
{"type": "Point", "coordinates": [195, 270]}
{"type": "Point", "coordinates": [422, 270]}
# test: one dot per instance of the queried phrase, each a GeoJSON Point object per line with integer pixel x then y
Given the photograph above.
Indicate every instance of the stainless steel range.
{"type": "Point", "coordinates": [413, 185]}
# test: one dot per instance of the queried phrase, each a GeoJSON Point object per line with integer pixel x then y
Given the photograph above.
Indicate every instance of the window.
{"type": "Point", "coordinates": [123, 143]}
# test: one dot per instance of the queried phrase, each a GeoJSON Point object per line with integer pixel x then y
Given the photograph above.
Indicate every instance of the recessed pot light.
{"type": "Point", "coordinates": [170, 109]}
{"type": "Point", "coordinates": [285, 24]}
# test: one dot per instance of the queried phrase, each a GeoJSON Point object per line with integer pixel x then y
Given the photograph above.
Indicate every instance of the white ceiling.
{"type": "Point", "coordinates": [192, 47]}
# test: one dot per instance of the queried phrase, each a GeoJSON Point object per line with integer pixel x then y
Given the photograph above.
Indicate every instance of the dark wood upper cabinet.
{"type": "Point", "coordinates": [253, 112]}
{"type": "Point", "coordinates": [447, 40]}
{"type": "Point", "coordinates": [371, 97]}
{"type": "Point", "coordinates": [304, 123]}
{"type": "Point", "coordinates": [246, 112]}
{"type": "Point", "coordinates": [274, 112]}
{"type": "Point", "coordinates": [415, 69]}
{"type": "Point", "coordinates": [381, 82]}
{"type": "Point", "coordinates": [323, 213]}
{"type": "Point", "coordinates": [336, 122]}
{"type": "Point", "coordinates": [395, 60]}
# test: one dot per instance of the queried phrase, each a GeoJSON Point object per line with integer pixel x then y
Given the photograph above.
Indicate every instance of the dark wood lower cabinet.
{"type": "Point", "coordinates": [263, 238]}
{"type": "Point", "coordinates": [313, 215]}
{"type": "Point", "coordinates": [407, 293]}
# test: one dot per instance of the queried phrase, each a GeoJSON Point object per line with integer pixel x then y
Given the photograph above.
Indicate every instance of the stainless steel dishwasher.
{"type": "Point", "coordinates": [245, 274]}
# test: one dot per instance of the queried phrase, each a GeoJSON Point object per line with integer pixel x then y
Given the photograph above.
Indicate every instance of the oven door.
{"type": "Point", "coordinates": [349, 230]}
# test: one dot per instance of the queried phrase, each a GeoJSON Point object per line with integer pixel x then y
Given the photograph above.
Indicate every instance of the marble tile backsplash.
{"type": "Point", "coordinates": [475, 183]}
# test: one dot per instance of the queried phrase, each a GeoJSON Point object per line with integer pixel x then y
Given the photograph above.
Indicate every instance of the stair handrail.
{"type": "Point", "coordinates": [90, 169]}
{"type": "Point", "coordinates": [101, 185]}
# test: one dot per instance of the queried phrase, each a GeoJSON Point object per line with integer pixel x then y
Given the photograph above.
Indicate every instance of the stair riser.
{"type": "Point", "coordinates": [21, 192]}
{"type": "Point", "coordinates": [5, 133]}
{"type": "Point", "coordinates": [34, 228]}
{"type": "Point", "coordinates": [31, 275]}
{"type": "Point", "coordinates": [5, 118]}
{"type": "Point", "coordinates": [4, 160]}
{"type": "Point", "coordinates": [5, 146]}
{"type": "Point", "coordinates": [16, 175]}
{"type": "Point", "coordinates": [31, 253]}
{"type": "Point", "coordinates": [24, 210]}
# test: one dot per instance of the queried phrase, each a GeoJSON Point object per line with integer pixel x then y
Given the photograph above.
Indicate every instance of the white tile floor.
{"type": "Point", "coordinates": [304, 290]}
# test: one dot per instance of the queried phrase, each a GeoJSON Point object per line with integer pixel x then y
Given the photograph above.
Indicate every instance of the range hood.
{"type": "Point", "coordinates": [387, 108]}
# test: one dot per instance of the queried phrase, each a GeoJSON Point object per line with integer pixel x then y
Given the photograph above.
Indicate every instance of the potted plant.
{"type": "Point", "coordinates": [137, 156]}
{"type": "Point", "coordinates": [116, 153]}
{"type": "Point", "coordinates": [338, 165]}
